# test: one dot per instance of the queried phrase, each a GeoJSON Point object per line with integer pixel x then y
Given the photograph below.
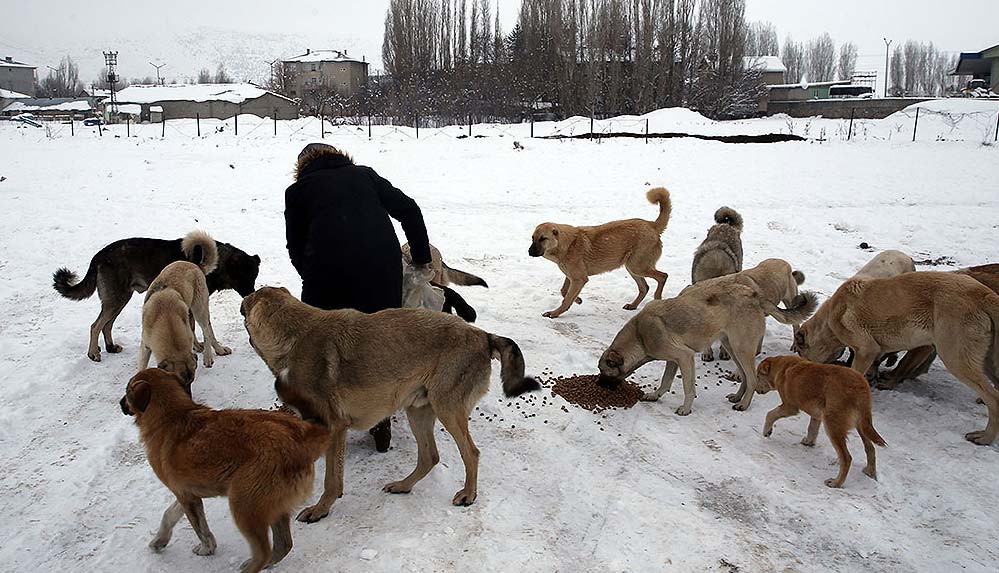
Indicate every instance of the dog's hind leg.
{"type": "Point", "coordinates": [195, 511]}
{"type": "Point", "coordinates": [743, 350]}
{"type": "Point", "coordinates": [281, 531]}
{"type": "Point", "coordinates": [660, 278]}
{"type": "Point", "coordinates": [969, 370]}
{"type": "Point", "coordinates": [250, 523]}
{"type": "Point", "coordinates": [333, 482]}
{"type": "Point", "coordinates": [455, 421]}
{"type": "Point", "coordinates": [643, 289]}
{"type": "Point", "coordinates": [118, 306]}
{"type": "Point", "coordinates": [170, 518]}
{"type": "Point", "coordinates": [836, 430]}
{"type": "Point", "coordinates": [199, 307]}
{"type": "Point", "coordinates": [669, 374]}
{"type": "Point", "coordinates": [421, 422]}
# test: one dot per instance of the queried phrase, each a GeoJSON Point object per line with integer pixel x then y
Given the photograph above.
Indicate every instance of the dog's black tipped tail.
{"type": "Point", "coordinates": [799, 277]}
{"type": "Point", "coordinates": [511, 367]}
{"type": "Point", "coordinates": [64, 281]}
{"type": "Point", "coordinates": [462, 278]}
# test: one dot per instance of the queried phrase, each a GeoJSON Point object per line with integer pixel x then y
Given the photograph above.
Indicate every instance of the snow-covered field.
{"type": "Point", "coordinates": [637, 490]}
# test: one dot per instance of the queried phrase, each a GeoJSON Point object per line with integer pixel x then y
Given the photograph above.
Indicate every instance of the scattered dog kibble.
{"type": "Point", "coordinates": [583, 391]}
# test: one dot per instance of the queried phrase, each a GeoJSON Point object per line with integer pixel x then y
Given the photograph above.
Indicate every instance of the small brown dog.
{"type": "Point", "coordinates": [836, 395]}
{"type": "Point", "coordinates": [581, 252]}
{"type": "Point", "coordinates": [262, 461]}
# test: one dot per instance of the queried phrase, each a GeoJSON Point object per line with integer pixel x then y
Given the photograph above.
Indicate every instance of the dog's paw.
{"type": "Point", "coordinates": [722, 355]}
{"type": "Point", "coordinates": [833, 483]}
{"type": "Point", "coordinates": [95, 356]}
{"type": "Point", "coordinates": [223, 351]}
{"type": "Point", "coordinates": [114, 348]}
{"type": "Point", "coordinates": [550, 314]}
{"type": "Point", "coordinates": [209, 361]}
{"type": "Point", "coordinates": [650, 397]}
{"type": "Point", "coordinates": [312, 514]}
{"type": "Point", "coordinates": [251, 565]}
{"type": "Point", "coordinates": [397, 487]}
{"type": "Point", "coordinates": [871, 473]}
{"type": "Point", "coordinates": [464, 498]}
{"type": "Point", "coordinates": [579, 300]}
{"type": "Point", "coordinates": [979, 401]}
{"type": "Point", "coordinates": [733, 397]}
{"type": "Point", "coordinates": [978, 438]}
{"type": "Point", "coordinates": [767, 432]}
{"type": "Point", "coordinates": [630, 306]}
{"type": "Point", "coordinates": [199, 347]}
{"type": "Point", "coordinates": [204, 549]}
{"type": "Point", "coordinates": [807, 442]}
{"type": "Point", "coordinates": [886, 384]}
{"type": "Point", "coordinates": [707, 357]}
{"type": "Point", "coordinates": [683, 411]}
{"type": "Point", "coordinates": [740, 407]}
{"type": "Point", "coordinates": [159, 543]}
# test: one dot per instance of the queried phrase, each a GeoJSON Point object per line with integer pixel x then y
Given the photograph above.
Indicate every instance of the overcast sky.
{"type": "Point", "coordinates": [37, 32]}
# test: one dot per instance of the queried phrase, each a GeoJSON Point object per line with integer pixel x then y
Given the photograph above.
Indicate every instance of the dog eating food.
{"type": "Point", "coordinates": [583, 391]}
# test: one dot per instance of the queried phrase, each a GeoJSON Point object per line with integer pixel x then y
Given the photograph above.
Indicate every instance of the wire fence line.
{"type": "Point", "coordinates": [918, 124]}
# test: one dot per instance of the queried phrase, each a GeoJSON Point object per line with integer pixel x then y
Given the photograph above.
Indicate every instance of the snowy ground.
{"type": "Point", "coordinates": [638, 490]}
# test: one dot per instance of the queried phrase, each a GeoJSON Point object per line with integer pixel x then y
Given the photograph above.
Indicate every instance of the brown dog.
{"type": "Point", "coordinates": [352, 370]}
{"type": "Point", "coordinates": [834, 395]}
{"type": "Point", "coordinates": [955, 313]}
{"type": "Point", "coordinates": [581, 252]}
{"type": "Point", "coordinates": [262, 461]}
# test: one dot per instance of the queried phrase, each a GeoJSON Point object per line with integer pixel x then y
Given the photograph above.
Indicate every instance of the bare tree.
{"type": "Point", "coordinates": [204, 76]}
{"type": "Point", "coordinates": [221, 75]}
{"type": "Point", "coordinates": [847, 61]}
{"type": "Point", "coordinates": [821, 59]}
{"type": "Point", "coordinates": [64, 81]}
{"type": "Point", "coordinates": [897, 72]}
{"type": "Point", "coordinates": [794, 60]}
{"type": "Point", "coordinates": [761, 40]}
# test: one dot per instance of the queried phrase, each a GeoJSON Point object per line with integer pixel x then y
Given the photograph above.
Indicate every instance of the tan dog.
{"type": "Point", "coordinates": [444, 275]}
{"type": "Point", "coordinates": [676, 329]}
{"type": "Point", "coordinates": [581, 252]}
{"type": "Point", "coordinates": [956, 313]}
{"type": "Point", "coordinates": [834, 395]}
{"type": "Point", "coordinates": [176, 299]}
{"type": "Point", "coordinates": [262, 461]}
{"type": "Point", "coordinates": [352, 370]}
{"type": "Point", "coordinates": [773, 279]}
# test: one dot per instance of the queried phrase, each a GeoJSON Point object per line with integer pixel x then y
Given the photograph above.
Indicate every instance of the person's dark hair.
{"type": "Point", "coordinates": [313, 151]}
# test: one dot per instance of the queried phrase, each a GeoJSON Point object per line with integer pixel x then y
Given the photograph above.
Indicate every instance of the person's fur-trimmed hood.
{"type": "Point", "coordinates": [315, 151]}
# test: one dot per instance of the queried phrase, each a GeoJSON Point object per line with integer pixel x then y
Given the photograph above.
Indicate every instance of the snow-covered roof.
{"type": "Point", "coordinates": [13, 64]}
{"type": "Point", "coordinates": [7, 94]}
{"type": "Point", "coordinates": [323, 56]}
{"type": "Point", "coordinates": [130, 108]}
{"type": "Point", "coordinates": [233, 93]}
{"type": "Point", "coordinates": [806, 85]}
{"type": "Point", "coordinates": [54, 104]}
{"type": "Point", "coordinates": [764, 63]}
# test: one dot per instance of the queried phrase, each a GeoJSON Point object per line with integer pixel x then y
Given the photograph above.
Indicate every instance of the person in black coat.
{"type": "Point", "coordinates": [341, 240]}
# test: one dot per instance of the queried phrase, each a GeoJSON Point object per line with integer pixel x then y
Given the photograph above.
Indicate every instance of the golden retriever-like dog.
{"type": "Point", "coordinates": [175, 301]}
{"type": "Point", "coordinates": [262, 461]}
{"type": "Point", "coordinates": [581, 252]}
{"type": "Point", "coordinates": [832, 395]}
{"type": "Point", "coordinates": [676, 329]}
{"type": "Point", "coordinates": [352, 370]}
{"type": "Point", "coordinates": [954, 312]}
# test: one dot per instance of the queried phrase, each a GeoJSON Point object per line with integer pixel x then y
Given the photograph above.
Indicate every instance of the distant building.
{"type": "Point", "coordinates": [51, 108]}
{"type": "Point", "coordinates": [8, 97]}
{"type": "Point", "coordinates": [17, 77]}
{"type": "Point", "coordinates": [772, 68]}
{"type": "Point", "coordinates": [804, 91]}
{"type": "Point", "coordinates": [324, 70]}
{"type": "Point", "coordinates": [219, 101]}
{"type": "Point", "coordinates": [982, 65]}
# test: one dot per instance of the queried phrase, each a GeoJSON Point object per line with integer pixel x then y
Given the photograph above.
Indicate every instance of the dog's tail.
{"type": "Point", "coordinates": [866, 429]}
{"type": "Point", "coordinates": [200, 248]}
{"type": "Point", "coordinates": [801, 308]}
{"type": "Point", "coordinates": [461, 277]}
{"type": "Point", "coordinates": [729, 216]}
{"type": "Point", "coordinates": [660, 195]}
{"type": "Point", "coordinates": [511, 367]}
{"type": "Point", "coordinates": [799, 277]}
{"type": "Point", "coordinates": [64, 281]}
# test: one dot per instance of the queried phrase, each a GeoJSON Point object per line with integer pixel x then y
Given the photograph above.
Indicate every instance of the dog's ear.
{"type": "Point", "coordinates": [256, 259]}
{"type": "Point", "coordinates": [554, 232]}
{"type": "Point", "coordinates": [764, 368]}
{"type": "Point", "coordinates": [139, 395]}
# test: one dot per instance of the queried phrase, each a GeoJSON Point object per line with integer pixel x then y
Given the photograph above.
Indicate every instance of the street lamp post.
{"type": "Point", "coordinates": [52, 87]}
{"type": "Point", "coordinates": [158, 80]}
{"type": "Point", "coordinates": [887, 46]}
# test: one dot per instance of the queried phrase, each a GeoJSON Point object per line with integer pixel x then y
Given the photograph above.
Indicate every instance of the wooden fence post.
{"type": "Point", "coordinates": [163, 124]}
{"type": "Point", "coordinates": [275, 121]}
{"type": "Point", "coordinates": [469, 125]}
{"type": "Point", "coordinates": [532, 125]}
{"type": "Point", "coordinates": [198, 121]}
{"type": "Point", "coordinates": [128, 126]}
{"type": "Point", "coordinates": [72, 131]}
{"type": "Point", "coordinates": [369, 126]}
{"type": "Point", "coordinates": [915, 125]}
{"type": "Point", "coordinates": [236, 118]}
{"type": "Point", "coordinates": [646, 130]}
{"type": "Point", "coordinates": [417, 125]}
{"type": "Point", "coordinates": [849, 134]}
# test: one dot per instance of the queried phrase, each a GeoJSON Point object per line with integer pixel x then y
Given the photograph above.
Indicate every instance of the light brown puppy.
{"type": "Point", "coordinates": [581, 252]}
{"type": "Point", "coordinates": [956, 313]}
{"type": "Point", "coordinates": [676, 329]}
{"type": "Point", "coordinates": [176, 299]}
{"type": "Point", "coordinates": [834, 395]}
{"type": "Point", "coordinates": [444, 275]}
{"type": "Point", "coordinates": [262, 461]}
{"type": "Point", "coordinates": [352, 370]}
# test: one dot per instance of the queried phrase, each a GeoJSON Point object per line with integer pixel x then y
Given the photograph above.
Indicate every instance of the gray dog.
{"type": "Point", "coordinates": [718, 255]}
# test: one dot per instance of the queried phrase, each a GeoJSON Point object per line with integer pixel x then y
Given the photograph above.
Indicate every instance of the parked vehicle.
{"type": "Point", "coordinates": [93, 121]}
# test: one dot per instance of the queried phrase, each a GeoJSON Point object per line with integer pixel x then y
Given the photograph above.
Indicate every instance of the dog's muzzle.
{"type": "Point", "coordinates": [124, 407]}
{"type": "Point", "coordinates": [608, 382]}
{"type": "Point", "coordinates": [534, 251]}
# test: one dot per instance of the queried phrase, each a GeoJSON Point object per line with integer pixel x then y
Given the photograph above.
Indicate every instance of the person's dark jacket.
{"type": "Point", "coordinates": [340, 238]}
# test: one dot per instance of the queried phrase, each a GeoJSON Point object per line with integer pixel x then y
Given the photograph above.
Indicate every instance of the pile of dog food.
{"type": "Point", "coordinates": [583, 391]}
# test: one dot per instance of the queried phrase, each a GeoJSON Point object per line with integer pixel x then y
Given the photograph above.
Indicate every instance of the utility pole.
{"type": "Point", "coordinates": [111, 61]}
{"type": "Point", "coordinates": [273, 75]}
{"type": "Point", "coordinates": [51, 88]}
{"type": "Point", "coordinates": [887, 46]}
{"type": "Point", "coordinates": [159, 82]}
